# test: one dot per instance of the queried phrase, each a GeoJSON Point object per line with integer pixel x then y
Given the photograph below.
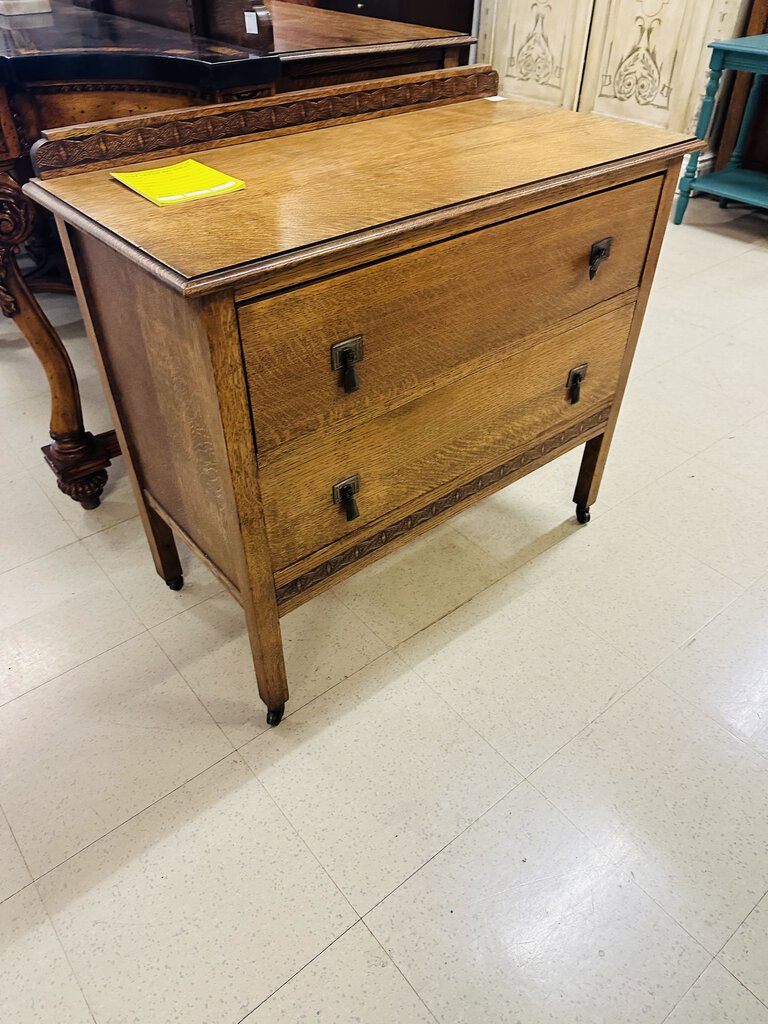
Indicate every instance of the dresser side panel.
{"type": "Point", "coordinates": [156, 356]}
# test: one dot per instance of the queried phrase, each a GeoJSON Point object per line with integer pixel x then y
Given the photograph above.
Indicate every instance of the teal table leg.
{"type": "Point", "coordinates": [737, 157]}
{"type": "Point", "coordinates": [705, 117]}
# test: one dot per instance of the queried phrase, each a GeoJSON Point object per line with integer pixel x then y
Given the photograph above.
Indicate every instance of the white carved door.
{"type": "Point", "coordinates": [647, 58]}
{"type": "Point", "coordinates": [538, 47]}
{"type": "Point", "coordinates": [643, 60]}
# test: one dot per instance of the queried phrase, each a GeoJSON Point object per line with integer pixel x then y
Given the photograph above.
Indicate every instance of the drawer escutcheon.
{"type": "Point", "coordinates": [345, 355]}
{"type": "Point", "coordinates": [344, 494]}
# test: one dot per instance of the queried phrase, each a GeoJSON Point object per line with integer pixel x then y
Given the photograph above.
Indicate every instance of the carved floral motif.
{"type": "Point", "coordinates": [534, 59]}
{"type": "Point", "coordinates": [16, 219]}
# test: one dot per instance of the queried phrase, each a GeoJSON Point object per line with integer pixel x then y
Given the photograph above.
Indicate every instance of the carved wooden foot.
{"type": "Point", "coordinates": [79, 462]}
{"type": "Point", "coordinates": [79, 459]}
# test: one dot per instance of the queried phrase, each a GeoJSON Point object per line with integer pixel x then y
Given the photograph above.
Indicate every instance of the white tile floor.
{"type": "Point", "coordinates": [524, 777]}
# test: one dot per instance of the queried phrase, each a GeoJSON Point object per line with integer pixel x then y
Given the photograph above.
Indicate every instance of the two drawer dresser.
{"type": "Point", "coordinates": [423, 293]}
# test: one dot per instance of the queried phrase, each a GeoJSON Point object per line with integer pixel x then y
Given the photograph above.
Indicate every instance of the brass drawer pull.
{"type": "Point", "coordinates": [344, 494]}
{"type": "Point", "coordinates": [599, 254]}
{"type": "Point", "coordinates": [345, 355]}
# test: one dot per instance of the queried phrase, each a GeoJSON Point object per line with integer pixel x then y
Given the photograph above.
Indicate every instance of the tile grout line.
{"type": "Point", "coordinates": [441, 850]}
{"type": "Point", "coordinates": [740, 982]}
{"type": "Point", "coordinates": [64, 951]}
{"type": "Point", "coordinates": [21, 854]}
{"type": "Point", "coordinates": [287, 981]}
{"type": "Point", "coordinates": [401, 972]}
{"type": "Point", "coordinates": [131, 817]}
{"type": "Point", "coordinates": [301, 839]}
{"type": "Point", "coordinates": [692, 985]}
{"type": "Point", "coordinates": [74, 668]}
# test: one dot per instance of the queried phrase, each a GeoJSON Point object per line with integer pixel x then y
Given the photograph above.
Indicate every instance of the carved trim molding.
{"type": "Point", "coordinates": [162, 132]}
{"type": "Point", "coordinates": [481, 483]}
{"type": "Point", "coordinates": [16, 219]}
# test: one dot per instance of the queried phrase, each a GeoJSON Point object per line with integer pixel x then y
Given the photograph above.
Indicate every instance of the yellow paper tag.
{"type": "Point", "coordinates": [178, 183]}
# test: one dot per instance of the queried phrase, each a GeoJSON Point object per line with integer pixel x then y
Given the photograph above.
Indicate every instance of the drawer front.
{"type": "Point", "coordinates": [440, 439]}
{"type": "Point", "coordinates": [436, 313]}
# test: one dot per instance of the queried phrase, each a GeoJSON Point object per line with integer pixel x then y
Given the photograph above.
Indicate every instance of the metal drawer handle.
{"type": "Point", "coordinates": [574, 382]}
{"type": "Point", "coordinates": [344, 494]}
{"type": "Point", "coordinates": [598, 255]}
{"type": "Point", "coordinates": [345, 356]}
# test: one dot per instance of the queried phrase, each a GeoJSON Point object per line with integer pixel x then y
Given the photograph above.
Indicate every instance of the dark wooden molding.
{"type": "Point", "coordinates": [486, 481]}
{"type": "Point", "coordinates": [67, 151]}
{"type": "Point", "coordinates": [16, 220]}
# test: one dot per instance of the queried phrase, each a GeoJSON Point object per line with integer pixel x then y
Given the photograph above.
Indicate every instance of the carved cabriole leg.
{"type": "Point", "coordinates": [78, 459]}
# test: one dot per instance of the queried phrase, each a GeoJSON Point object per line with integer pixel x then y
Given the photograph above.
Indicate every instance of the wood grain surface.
{"type": "Point", "coordinates": [156, 349]}
{"type": "Point", "coordinates": [418, 448]}
{"type": "Point", "coordinates": [120, 140]}
{"type": "Point", "coordinates": [422, 315]}
{"type": "Point", "coordinates": [299, 28]}
{"type": "Point", "coordinates": [305, 189]}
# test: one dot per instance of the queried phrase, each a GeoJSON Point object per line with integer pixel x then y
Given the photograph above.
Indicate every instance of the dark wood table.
{"type": "Point", "coordinates": [77, 66]}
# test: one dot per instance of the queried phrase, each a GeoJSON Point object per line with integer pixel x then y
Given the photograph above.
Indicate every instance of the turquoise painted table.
{"type": "Point", "coordinates": [734, 181]}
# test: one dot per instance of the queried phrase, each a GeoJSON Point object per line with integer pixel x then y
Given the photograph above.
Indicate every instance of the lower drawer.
{"type": "Point", "coordinates": [448, 434]}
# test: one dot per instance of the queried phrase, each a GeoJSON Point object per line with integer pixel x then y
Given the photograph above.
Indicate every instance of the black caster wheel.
{"type": "Point", "coordinates": [582, 514]}
{"type": "Point", "coordinates": [275, 715]}
{"type": "Point", "coordinates": [176, 584]}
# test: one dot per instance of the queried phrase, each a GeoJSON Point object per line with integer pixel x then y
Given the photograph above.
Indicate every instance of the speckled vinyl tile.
{"type": "Point", "coordinates": [675, 799]}
{"type": "Point", "coordinates": [197, 909]}
{"type": "Point", "coordinates": [522, 919]}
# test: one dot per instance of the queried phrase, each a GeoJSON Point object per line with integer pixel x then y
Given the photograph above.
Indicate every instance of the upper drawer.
{"type": "Point", "coordinates": [429, 315]}
{"type": "Point", "coordinates": [448, 435]}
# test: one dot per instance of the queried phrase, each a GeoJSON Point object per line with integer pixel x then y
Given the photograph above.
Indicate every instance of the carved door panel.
{"type": "Point", "coordinates": [538, 47]}
{"type": "Point", "coordinates": [643, 60]}
{"type": "Point", "coordinates": [647, 59]}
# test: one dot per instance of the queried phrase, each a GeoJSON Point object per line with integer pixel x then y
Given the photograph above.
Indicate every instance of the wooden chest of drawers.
{"type": "Point", "coordinates": [422, 294]}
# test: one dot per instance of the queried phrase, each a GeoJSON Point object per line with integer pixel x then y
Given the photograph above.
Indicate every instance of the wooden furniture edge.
{"type": "Point", "coordinates": [448, 42]}
{"type": "Point", "coordinates": [180, 532]}
{"type": "Point", "coordinates": [157, 531]}
{"type": "Point", "coordinates": [64, 151]}
{"type": "Point", "coordinates": [256, 582]}
{"type": "Point", "coordinates": [70, 215]}
{"type": "Point", "coordinates": [294, 590]}
{"type": "Point", "coordinates": [596, 452]}
{"type": "Point", "coordinates": [253, 280]}
{"type": "Point", "coordinates": [287, 270]}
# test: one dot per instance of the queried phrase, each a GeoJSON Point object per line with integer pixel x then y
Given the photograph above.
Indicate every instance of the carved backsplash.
{"type": "Point", "coordinates": [644, 60]}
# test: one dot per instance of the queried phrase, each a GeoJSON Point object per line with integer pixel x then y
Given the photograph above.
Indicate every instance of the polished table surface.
{"type": "Point", "coordinates": [76, 66]}
{"type": "Point", "coordinates": [352, 177]}
{"type": "Point", "coordinates": [63, 40]}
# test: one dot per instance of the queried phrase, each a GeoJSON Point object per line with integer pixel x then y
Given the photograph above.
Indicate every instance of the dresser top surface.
{"type": "Point", "coordinates": [322, 186]}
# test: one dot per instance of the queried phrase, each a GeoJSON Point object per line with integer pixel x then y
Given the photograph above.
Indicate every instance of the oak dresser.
{"type": "Point", "coordinates": [424, 293]}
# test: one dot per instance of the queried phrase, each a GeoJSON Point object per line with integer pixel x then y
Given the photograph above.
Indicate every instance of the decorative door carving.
{"type": "Point", "coordinates": [647, 58]}
{"type": "Point", "coordinates": [538, 48]}
{"type": "Point", "coordinates": [643, 60]}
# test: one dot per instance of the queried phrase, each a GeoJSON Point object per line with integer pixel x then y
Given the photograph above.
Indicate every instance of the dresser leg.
{"type": "Point", "coordinates": [275, 715]}
{"type": "Point", "coordinates": [162, 544]}
{"type": "Point", "coordinates": [590, 475]}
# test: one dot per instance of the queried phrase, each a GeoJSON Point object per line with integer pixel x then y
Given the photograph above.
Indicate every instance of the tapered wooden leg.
{"type": "Point", "coordinates": [590, 476]}
{"type": "Point", "coordinates": [162, 544]}
{"type": "Point", "coordinates": [255, 578]}
{"type": "Point", "coordinates": [78, 458]}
